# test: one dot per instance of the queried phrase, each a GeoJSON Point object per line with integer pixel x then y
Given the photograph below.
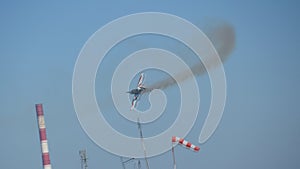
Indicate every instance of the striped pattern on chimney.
{"type": "Point", "coordinates": [43, 137]}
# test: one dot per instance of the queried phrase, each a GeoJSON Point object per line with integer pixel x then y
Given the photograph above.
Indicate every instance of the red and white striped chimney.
{"type": "Point", "coordinates": [43, 138]}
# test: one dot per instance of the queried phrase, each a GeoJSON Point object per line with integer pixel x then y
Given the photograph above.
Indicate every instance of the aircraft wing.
{"type": "Point", "coordinates": [141, 79]}
{"type": "Point", "coordinates": [133, 103]}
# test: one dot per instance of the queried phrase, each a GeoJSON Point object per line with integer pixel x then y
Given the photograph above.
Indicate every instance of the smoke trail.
{"type": "Point", "coordinates": [222, 37]}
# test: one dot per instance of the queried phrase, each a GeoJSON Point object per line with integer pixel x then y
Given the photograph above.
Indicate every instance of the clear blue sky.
{"type": "Point", "coordinates": [39, 45]}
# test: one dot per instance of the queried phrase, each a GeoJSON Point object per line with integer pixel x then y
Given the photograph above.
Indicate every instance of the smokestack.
{"type": "Point", "coordinates": [43, 138]}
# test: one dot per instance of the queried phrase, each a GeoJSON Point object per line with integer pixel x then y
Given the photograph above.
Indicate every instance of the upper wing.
{"type": "Point", "coordinates": [141, 79]}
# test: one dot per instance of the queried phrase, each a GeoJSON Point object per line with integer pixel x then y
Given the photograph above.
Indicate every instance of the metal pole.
{"type": "Point", "coordinates": [173, 154]}
{"type": "Point", "coordinates": [83, 157]}
{"type": "Point", "coordinates": [143, 144]}
{"type": "Point", "coordinates": [123, 165]}
{"type": "Point", "coordinates": [139, 164]}
{"type": "Point", "coordinates": [126, 161]}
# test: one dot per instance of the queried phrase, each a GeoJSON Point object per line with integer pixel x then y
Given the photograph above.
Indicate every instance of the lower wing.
{"type": "Point", "coordinates": [133, 103]}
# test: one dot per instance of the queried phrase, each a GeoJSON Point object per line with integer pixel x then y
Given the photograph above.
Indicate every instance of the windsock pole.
{"type": "Point", "coordinates": [173, 155]}
{"type": "Point", "coordinates": [182, 142]}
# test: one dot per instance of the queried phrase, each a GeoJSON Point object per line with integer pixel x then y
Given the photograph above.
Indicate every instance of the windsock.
{"type": "Point", "coordinates": [185, 143]}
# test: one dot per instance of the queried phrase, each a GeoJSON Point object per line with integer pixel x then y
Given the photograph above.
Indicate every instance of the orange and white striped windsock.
{"type": "Point", "coordinates": [185, 143]}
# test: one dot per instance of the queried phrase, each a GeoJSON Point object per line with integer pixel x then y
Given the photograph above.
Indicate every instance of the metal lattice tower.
{"type": "Point", "coordinates": [83, 157]}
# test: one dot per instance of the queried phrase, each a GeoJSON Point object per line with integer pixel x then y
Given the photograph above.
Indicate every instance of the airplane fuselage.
{"type": "Point", "coordinates": [137, 91]}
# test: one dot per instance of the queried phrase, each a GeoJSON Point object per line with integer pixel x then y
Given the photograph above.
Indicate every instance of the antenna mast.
{"type": "Point", "coordinates": [83, 157]}
{"type": "Point", "coordinates": [143, 144]}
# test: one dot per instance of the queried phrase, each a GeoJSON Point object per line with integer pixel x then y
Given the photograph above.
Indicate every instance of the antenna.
{"type": "Point", "coordinates": [143, 144]}
{"type": "Point", "coordinates": [125, 161]}
{"type": "Point", "coordinates": [137, 165]}
{"type": "Point", "coordinates": [83, 157]}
